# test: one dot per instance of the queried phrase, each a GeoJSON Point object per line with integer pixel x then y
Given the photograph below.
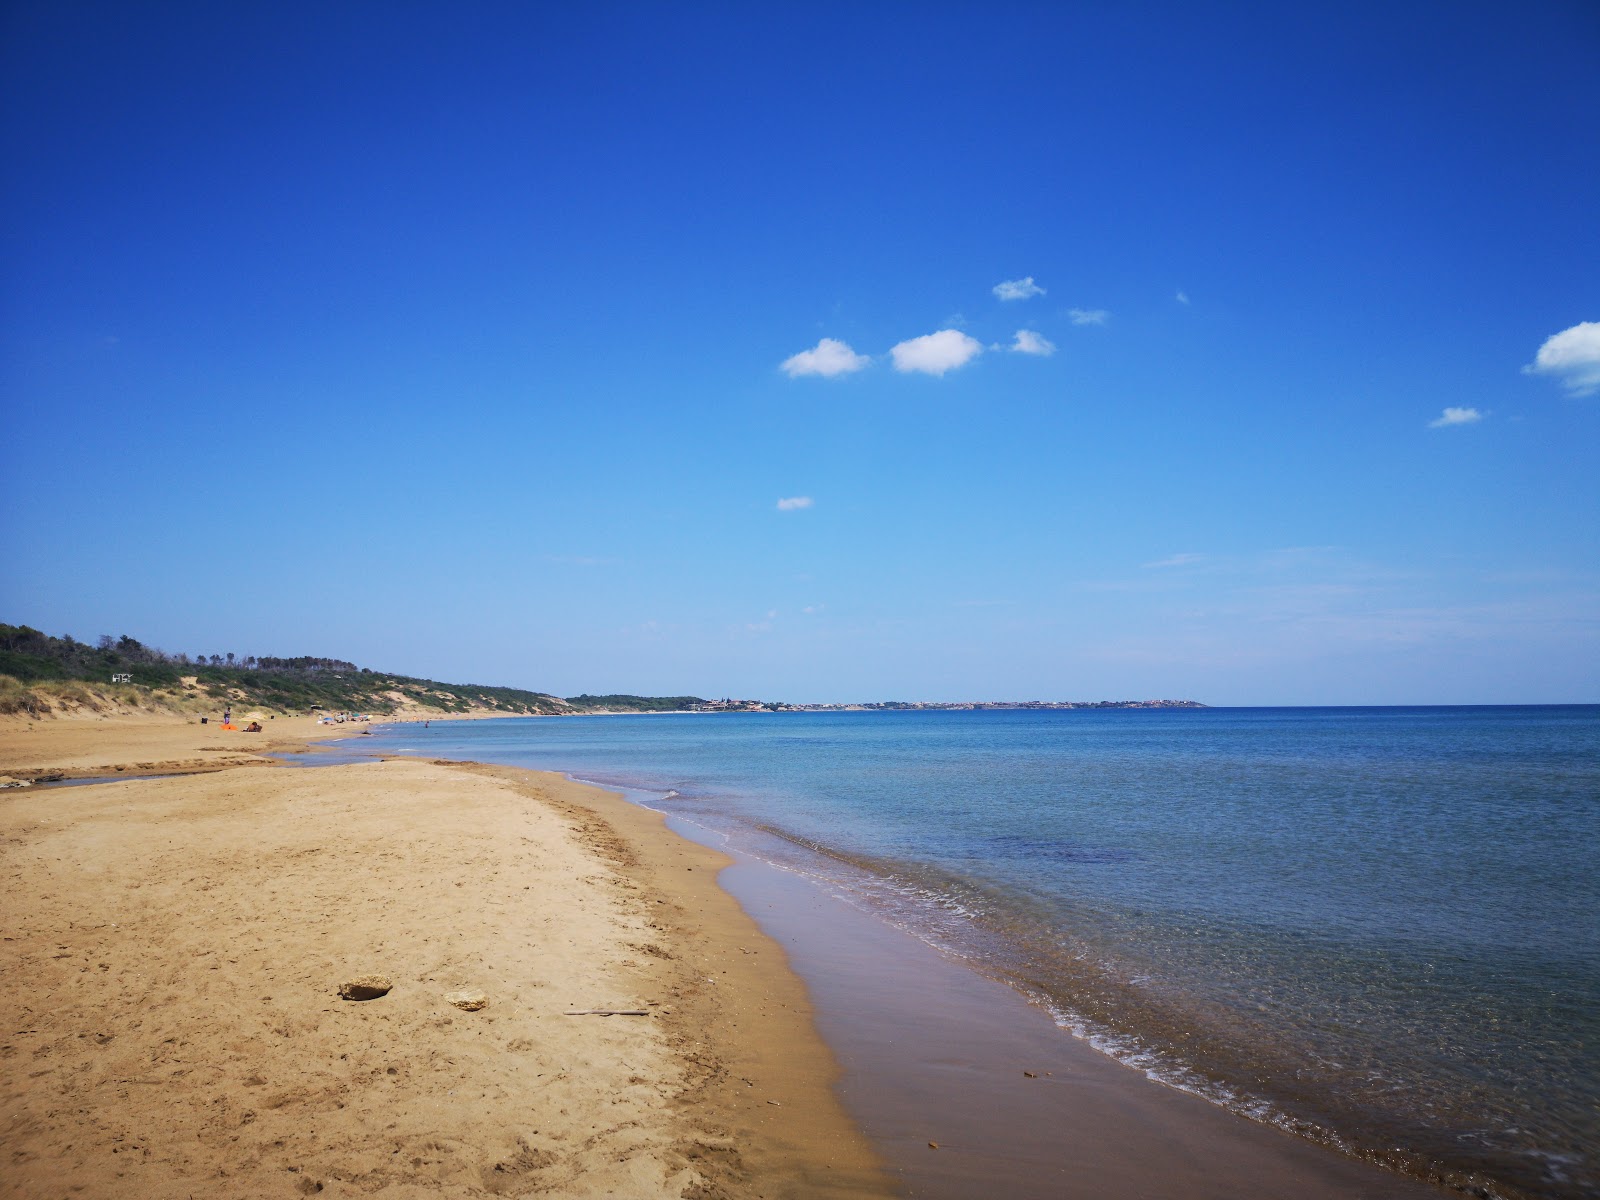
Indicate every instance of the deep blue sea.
{"type": "Point", "coordinates": [1377, 927]}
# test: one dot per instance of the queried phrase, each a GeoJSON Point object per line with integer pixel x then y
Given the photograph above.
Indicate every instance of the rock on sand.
{"type": "Point", "coordinates": [366, 987]}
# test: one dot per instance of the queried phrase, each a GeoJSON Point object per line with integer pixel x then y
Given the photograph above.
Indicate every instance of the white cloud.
{"type": "Point", "coordinates": [1183, 297]}
{"type": "Point", "coordinates": [1455, 416]}
{"type": "Point", "coordinates": [1573, 357]}
{"type": "Point", "coordinates": [1018, 289]}
{"type": "Point", "coordinates": [828, 358]}
{"type": "Point", "coordinates": [790, 503]}
{"type": "Point", "coordinates": [936, 353]}
{"type": "Point", "coordinates": [1029, 342]}
{"type": "Point", "coordinates": [1175, 560]}
{"type": "Point", "coordinates": [812, 609]}
{"type": "Point", "coordinates": [1088, 316]}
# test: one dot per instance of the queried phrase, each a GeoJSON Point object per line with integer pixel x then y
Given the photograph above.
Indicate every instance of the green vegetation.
{"type": "Point", "coordinates": [587, 703]}
{"type": "Point", "coordinates": [39, 672]}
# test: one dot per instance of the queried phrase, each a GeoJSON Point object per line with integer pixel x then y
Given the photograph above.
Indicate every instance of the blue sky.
{"type": "Point", "coordinates": [483, 342]}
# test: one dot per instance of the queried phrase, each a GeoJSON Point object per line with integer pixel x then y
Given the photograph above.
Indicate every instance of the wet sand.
{"type": "Point", "coordinates": [970, 1091]}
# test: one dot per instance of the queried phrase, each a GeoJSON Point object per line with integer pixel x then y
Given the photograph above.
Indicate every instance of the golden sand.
{"type": "Point", "coordinates": [174, 949]}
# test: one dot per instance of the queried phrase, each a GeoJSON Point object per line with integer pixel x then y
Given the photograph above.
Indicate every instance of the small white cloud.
{"type": "Point", "coordinates": [1018, 289]}
{"type": "Point", "coordinates": [1573, 357]}
{"type": "Point", "coordinates": [1029, 342]}
{"type": "Point", "coordinates": [1183, 297]}
{"type": "Point", "coordinates": [1088, 316]}
{"type": "Point", "coordinates": [1455, 416]}
{"type": "Point", "coordinates": [1175, 560]}
{"type": "Point", "coordinates": [791, 503]}
{"type": "Point", "coordinates": [936, 353]}
{"type": "Point", "coordinates": [827, 358]}
{"type": "Point", "coordinates": [812, 609]}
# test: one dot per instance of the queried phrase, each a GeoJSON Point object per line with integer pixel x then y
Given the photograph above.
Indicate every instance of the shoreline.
{"type": "Point", "coordinates": [938, 1055]}
{"type": "Point", "coordinates": [175, 945]}
{"type": "Point", "coordinates": [904, 1099]}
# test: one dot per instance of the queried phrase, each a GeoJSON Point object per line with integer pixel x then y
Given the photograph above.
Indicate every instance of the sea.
{"type": "Point", "coordinates": [1378, 928]}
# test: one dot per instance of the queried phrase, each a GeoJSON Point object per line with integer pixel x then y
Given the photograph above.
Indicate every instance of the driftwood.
{"type": "Point", "coordinates": [610, 1012]}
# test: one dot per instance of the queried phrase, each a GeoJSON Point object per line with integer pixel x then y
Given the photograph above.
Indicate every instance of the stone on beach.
{"type": "Point", "coordinates": [468, 999]}
{"type": "Point", "coordinates": [365, 987]}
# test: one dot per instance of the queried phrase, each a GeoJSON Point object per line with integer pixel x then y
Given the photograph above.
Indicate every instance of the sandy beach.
{"type": "Point", "coordinates": [174, 949]}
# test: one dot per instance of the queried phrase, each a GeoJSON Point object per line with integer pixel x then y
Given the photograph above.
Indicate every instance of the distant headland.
{"type": "Point", "coordinates": [932, 705]}
{"type": "Point", "coordinates": [43, 675]}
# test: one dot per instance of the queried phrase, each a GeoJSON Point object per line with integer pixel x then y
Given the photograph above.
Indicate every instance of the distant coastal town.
{"type": "Point", "coordinates": [932, 705]}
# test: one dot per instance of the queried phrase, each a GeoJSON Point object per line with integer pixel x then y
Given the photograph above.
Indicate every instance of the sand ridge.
{"type": "Point", "coordinates": [173, 949]}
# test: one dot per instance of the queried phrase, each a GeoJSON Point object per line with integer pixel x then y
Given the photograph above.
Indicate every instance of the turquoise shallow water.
{"type": "Point", "coordinates": [1377, 927]}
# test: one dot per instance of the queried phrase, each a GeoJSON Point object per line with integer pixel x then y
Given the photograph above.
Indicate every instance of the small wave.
{"type": "Point", "coordinates": [1161, 1068]}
